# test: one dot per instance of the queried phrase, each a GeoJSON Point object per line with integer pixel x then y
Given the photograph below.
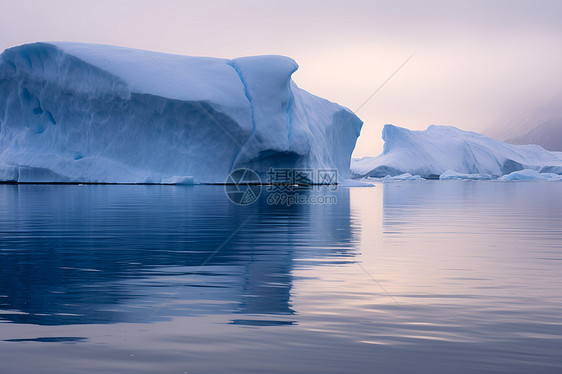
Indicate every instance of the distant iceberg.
{"type": "Point", "coordinates": [446, 152]}
{"type": "Point", "coordinates": [72, 112]}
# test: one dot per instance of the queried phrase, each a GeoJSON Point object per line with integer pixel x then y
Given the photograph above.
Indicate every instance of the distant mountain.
{"type": "Point", "coordinates": [542, 126]}
{"type": "Point", "coordinates": [548, 135]}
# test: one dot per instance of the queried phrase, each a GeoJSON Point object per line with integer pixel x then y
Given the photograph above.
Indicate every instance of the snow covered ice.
{"type": "Point", "coordinates": [72, 112]}
{"type": "Point", "coordinates": [447, 152]}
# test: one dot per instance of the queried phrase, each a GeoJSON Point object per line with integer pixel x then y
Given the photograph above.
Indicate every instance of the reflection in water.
{"type": "Point", "coordinates": [51, 339]}
{"type": "Point", "coordinates": [84, 254]}
{"type": "Point", "coordinates": [416, 277]}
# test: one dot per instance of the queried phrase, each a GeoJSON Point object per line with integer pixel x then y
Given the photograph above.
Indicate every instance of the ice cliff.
{"type": "Point", "coordinates": [72, 112]}
{"type": "Point", "coordinates": [454, 154]}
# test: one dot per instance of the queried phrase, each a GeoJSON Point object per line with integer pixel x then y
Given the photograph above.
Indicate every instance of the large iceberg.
{"type": "Point", "coordinates": [72, 112]}
{"type": "Point", "coordinates": [452, 153]}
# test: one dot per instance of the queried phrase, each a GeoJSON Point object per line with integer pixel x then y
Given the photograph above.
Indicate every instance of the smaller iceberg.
{"type": "Point", "coordinates": [179, 180]}
{"type": "Point", "coordinates": [443, 150]}
{"type": "Point", "coordinates": [529, 174]}
{"type": "Point", "coordinates": [402, 177]}
{"type": "Point", "coordinates": [388, 178]}
{"type": "Point", "coordinates": [356, 183]}
{"type": "Point", "coordinates": [453, 175]}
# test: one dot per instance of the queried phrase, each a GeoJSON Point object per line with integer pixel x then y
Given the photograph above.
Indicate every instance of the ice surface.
{"type": "Point", "coordinates": [402, 177]}
{"type": "Point", "coordinates": [453, 175]}
{"type": "Point", "coordinates": [432, 152]}
{"type": "Point", "coordinates": [529, 174]}
{"type": "Point", "coordinates": [72, 112]}
{"type": "Point", "coordinates": [180, 180]}
{"type": "Point", "coordinates": [388, 178]}
{"type": "Point", "coordinates": [356, 183]}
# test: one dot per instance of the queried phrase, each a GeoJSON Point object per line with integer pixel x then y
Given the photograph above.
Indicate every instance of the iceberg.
{"type": "Point", "coordinates": [179, 180]}
{"type": "Point", "coordinates": [402, 177]}
{"type": "Point", "coordinates": [453, 175]}
{"type": "Point", "coordinates": [84, 113]}
{"type": "Point", "coordinates": [356, 183]}
{"type": "Point", "coordinates": [529, 174]}
{"type": "Point", "coordinates": [454, 153]}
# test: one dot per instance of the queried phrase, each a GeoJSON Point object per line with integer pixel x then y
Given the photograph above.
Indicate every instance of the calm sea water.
{"type": "Point", "coordinates": [410, 277]}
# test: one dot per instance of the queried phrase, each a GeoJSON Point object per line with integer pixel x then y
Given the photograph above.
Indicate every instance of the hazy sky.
{"type": "Point", "coordinates": [476, 63]}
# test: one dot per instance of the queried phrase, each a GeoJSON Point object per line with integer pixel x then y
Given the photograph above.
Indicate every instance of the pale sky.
{"type": "Point", "coordinates": [476, 63]}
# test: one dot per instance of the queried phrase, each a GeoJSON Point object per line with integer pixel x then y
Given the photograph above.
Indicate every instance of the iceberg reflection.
{"type": "Point", "coordinates": [108, 254]}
